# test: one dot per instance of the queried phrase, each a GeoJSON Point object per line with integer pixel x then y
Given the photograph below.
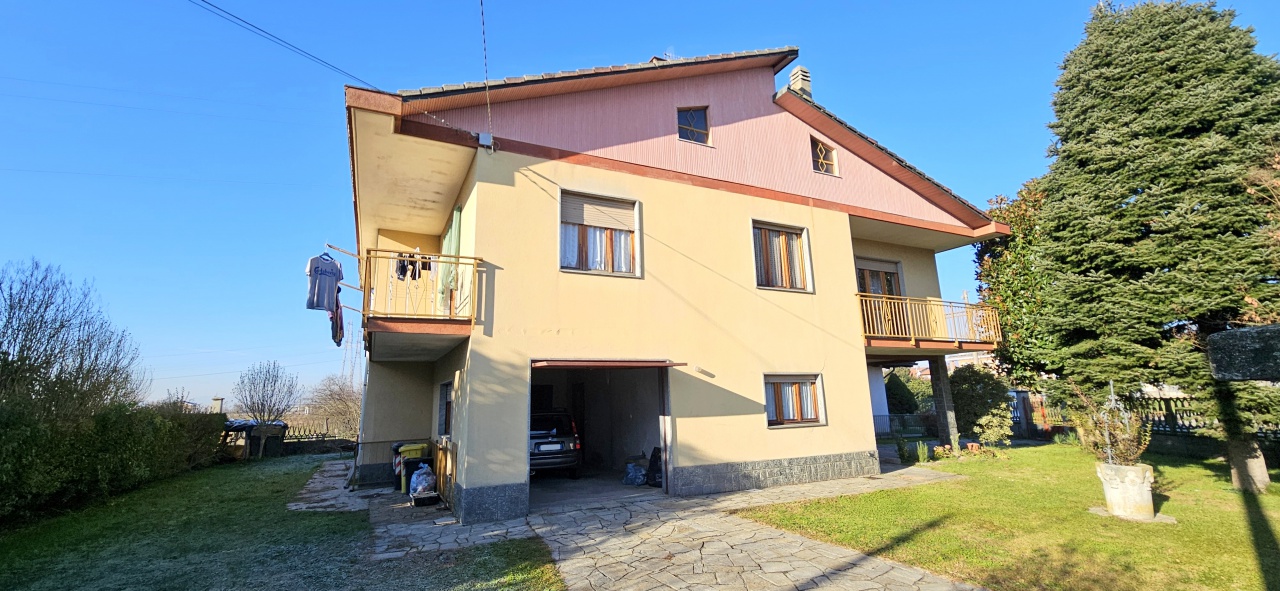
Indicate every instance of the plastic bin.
{"type": "Point", "coordinates": [413, 450]}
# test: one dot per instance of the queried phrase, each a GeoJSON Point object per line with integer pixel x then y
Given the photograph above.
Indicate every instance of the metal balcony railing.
{"type": "Point", "coordinates": [897, 317]}
{"type": "Point", "coordinates": [403, 284]}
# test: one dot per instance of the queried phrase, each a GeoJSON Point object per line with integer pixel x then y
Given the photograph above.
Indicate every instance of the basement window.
{"type": "Point", "coordinates": [692, 124]}
{"type": "Point", "coordinates": [792, 400]}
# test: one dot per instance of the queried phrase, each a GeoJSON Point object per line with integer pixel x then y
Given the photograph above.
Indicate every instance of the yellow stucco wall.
{"type": "Point", "coordinates": [696, 302]}
{"type": "Point", "coordinates": [399, 401]}
{"type": "Point", "coordinates": [919, 266]}
{"type": "Point", "coordinates": [400, 240]}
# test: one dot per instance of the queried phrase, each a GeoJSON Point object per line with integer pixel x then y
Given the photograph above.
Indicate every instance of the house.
{"type": "Point", "coordinates": [674, 252]}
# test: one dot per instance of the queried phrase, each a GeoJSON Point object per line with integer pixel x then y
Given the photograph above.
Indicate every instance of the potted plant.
{"type": "Point", "coordinates": [1117, 438]}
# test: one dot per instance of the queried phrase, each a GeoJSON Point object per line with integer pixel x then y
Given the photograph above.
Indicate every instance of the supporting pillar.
{"type": "Point", "coordinates": [948, 432]}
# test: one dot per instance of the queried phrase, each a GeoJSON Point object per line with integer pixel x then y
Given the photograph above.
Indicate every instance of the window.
{"type": "Point", "coordinates": [597, 235]}
{"type": "Point", "coordinates": [792, 399]}
{"type": "Point", "coordinates": [879, 278]}
{"type": "Point", "coordinates": [824, 156]}
{"type": "Point", "coordinates": [446, 409]}
{"type": "Point", "coordinates": [692, 125]}
{"type": "Point", "coordinates": [780, 257]}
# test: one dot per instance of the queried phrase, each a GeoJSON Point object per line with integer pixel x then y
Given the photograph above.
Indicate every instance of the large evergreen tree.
{"type": "Point", "coordinates": [1149, 239]}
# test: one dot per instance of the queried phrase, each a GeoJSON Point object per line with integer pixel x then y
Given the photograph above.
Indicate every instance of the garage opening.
{"type": "Point", "coordinates": [610, 413]}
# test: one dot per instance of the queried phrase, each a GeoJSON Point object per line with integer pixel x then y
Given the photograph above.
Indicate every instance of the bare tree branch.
{"type": "Point", "coordinates": [266, 392]}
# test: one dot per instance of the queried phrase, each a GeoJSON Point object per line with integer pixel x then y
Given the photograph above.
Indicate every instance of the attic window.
{"type": "Point", "coordinates": [692, 124]}
{"type": "Point", "coordinates": [824, 156]}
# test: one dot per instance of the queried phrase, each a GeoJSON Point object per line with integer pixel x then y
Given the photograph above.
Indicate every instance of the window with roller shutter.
{"type": "Point", "coordinates": [597, 235]}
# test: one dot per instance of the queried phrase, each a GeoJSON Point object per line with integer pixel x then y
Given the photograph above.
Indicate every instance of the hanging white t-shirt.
{"type": "Point", "coordinates": [322, 287]}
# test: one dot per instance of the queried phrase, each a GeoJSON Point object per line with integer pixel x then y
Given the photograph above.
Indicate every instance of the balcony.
{"type": "Point", "coordinates": [893, 323]}
{"type": "Point", "coordinates": [417, 306]}
{"type": "Point", "coordinates": [401, 284]}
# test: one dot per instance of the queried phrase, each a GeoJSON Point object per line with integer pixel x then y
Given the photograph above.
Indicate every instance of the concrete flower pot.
{"type": "Point", "coordinates": [1128, 490]}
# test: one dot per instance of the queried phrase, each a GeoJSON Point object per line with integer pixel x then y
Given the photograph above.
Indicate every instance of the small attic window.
{"type": "Point", "coordinates": [692, 124]}
{"type": "Point", "coordinates": [824, 156]}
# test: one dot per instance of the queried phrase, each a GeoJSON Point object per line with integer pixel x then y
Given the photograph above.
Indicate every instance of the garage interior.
{"type": "Point", "coordinates": [619, 413]}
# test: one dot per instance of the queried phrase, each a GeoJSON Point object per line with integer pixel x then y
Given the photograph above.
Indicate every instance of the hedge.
{"type": "Point", "coordinates": [45, 465]}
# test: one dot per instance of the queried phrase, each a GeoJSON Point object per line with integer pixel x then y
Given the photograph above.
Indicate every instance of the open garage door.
{"type": "Point", "coordinates": [615, 410]}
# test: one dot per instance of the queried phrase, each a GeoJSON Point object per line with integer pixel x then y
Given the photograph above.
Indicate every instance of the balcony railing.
{"type": "Point", "coordinates": [417, 285]}
{"type": "Point", "coordinates": [896, 317]}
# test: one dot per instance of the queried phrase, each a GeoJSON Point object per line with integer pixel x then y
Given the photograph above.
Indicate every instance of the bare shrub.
{"type": "Point", "coordinates": [266, 392]}
{"type": "Point", "coordinates": [1109, 431]}
{"type": "Point", "coordinates": [58, 330]}
{"type": "Point", "coordinates": [337, 399]}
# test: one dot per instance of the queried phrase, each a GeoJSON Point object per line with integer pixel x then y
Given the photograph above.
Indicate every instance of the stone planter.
{"type": "Point", "coordinates": [1128, 490]}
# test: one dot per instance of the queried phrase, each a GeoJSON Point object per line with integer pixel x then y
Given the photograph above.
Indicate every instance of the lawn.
{"type": "Point", "coordinates": [227, 528]}
{"type": "Point", "coordinates": [1022, 523]}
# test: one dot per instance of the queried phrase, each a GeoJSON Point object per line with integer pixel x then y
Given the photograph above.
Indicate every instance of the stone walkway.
{"type": "Point", "coordinates": [326, 491]}
{"type": "Point", "coordinates": [671, 542]}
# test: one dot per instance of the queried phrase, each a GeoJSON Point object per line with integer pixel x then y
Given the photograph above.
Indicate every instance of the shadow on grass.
{"type": "Point", "coordinates": [856, 563]}
{"type": "Point", "coordinates": [1064, 569]}
{"type": "Point", "coordinates": [1265, 544]}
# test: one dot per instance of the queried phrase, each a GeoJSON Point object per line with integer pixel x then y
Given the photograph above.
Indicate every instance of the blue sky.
{"type": "Point", "coordinates": [189, 168]}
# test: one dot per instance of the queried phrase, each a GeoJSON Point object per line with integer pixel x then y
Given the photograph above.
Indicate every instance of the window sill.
{"type": "Point", "coordinates": [798, 425]}
{"type": "Point", "coordinates": [830, 174]}
{"type": "Point", "coordinates": [600, 273]}
{"type": "Point", "coordinates": [785, 289]}
{"type": "Point", "coordinates": [706, 145]}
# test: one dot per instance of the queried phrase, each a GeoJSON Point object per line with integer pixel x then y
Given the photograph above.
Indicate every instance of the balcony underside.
{"type": "Point", "coordinates": [893, 350]}
{"type": "Point", "coordinates": [413, 339]}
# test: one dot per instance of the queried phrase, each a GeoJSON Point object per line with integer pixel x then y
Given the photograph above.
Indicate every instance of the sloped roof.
{"type": "Point", "coordinates": [786, 99]}
{"type": "Point", "coordinates": [467, 94]}
{"type": "Point", "coordinates": [655, 63]}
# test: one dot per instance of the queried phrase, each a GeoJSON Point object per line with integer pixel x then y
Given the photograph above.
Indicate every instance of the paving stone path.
{"type": "Point", "coordinates": [671, 542]}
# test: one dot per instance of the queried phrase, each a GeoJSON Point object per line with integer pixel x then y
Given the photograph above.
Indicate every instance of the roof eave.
{"type": "Point", "coordinates": [859, 143]}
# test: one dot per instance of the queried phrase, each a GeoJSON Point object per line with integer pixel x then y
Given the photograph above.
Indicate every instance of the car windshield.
{"type": "Point", "coordinates": [550, 425]}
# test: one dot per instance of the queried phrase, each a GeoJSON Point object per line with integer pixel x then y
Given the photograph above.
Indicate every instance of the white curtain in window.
{"type": "Point", "coordinates": [788, 401]}
{"type": "Point", "coordinates": [770, 410]}
{"type": "Point", "coordinates": [622, 256]}
{"type": "Point", "coordinates": [796, 259]}
{"type": "Point", "coordinates": [569, 245]}
{"type": "Point", "coordinates": [596, 249]}
{"type": "Point", "coordinates": [807, 408]}
{"type": "Point", "coordinates": [776, 265]}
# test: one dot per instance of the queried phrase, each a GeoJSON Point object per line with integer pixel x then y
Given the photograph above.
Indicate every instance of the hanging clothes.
{"type": "Point", "coordinates": [323, 274]}
{"type": "Point", "coordinates": [407, 265]}
{"type": "Point", "coordinates": [335, 321]}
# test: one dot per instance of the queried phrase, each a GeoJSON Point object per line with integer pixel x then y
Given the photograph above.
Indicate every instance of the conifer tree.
{"type": "Point", "coordinates": [1149, 238]}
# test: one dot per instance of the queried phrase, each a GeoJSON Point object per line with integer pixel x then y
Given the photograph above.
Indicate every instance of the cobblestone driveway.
{"type": "Point", "coordinates": [672, 542]}
{"type": "Point", "coordinates": [692, 543]}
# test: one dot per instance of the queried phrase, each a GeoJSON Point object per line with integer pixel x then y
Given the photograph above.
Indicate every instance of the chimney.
{"type": "Point", "coordinates": [800, 83]}
{"type": "Point", "coordinates": [216, 407]}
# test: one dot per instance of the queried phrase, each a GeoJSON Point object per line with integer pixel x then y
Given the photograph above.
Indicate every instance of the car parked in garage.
{"type": "Point", "coordinates": [554, 443]}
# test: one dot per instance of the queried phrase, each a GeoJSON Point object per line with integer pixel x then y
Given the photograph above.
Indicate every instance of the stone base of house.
{"type": "Point", "coordinates": [491, 503]}
{"type": "Point", "coordinates": [731, 476]}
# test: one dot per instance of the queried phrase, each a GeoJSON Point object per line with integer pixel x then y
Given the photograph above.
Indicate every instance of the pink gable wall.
{"type": "Point", "coordinates": [753, 141]}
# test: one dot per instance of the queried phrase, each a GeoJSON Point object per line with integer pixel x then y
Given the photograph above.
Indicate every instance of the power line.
{"type": "Point", "coordinates": [484, 46]}
{"type": "Point", "coordinates": [160, 178]}
{"type": "Point", "coordinates": [252, 28]}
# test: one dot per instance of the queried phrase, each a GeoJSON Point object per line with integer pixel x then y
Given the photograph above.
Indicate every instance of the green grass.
{"type": "Point", "coordinates": [227, 528]}
{"type": "Point", "coordinates": [1022, 523]}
